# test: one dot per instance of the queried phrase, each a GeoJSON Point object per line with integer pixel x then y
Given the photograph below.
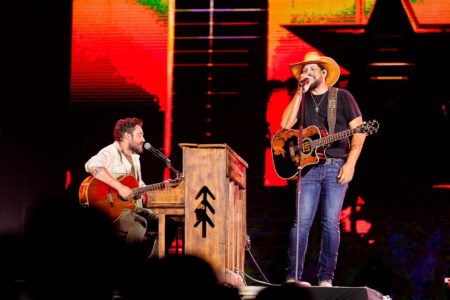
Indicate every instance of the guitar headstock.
{"type": "Point", "coordinates": [369, 127]}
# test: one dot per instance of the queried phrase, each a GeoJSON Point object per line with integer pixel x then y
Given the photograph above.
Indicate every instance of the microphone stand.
{"type": "Point", "coordinates": [160, 155]}
{"type": "Point", "coordinates": [299, 182]}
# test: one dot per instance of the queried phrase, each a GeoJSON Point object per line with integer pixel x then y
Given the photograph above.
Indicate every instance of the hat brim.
{"type": "Point", "coordinates": [333, 70]}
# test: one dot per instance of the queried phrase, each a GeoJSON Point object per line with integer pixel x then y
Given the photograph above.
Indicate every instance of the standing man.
{"type": "Point", "coordinates": [326, 183]}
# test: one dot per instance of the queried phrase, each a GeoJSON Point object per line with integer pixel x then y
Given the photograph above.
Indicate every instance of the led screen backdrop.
{"type": "Point", "coordinates": [121, 51]}
{"type": "Point", "coordinates": [428, 15]}
{"type": "Point", "coordinates": [285, 48]}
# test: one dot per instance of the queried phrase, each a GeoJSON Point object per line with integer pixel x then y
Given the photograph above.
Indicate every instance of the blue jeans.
{"type": "Point", "coordinates": [319, 184]}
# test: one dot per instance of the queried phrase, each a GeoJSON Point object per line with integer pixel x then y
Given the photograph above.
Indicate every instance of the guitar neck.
{"type": "Point", "coordinates": [141, 190]}
{"type": "Point", "coordinates": [334, 137]}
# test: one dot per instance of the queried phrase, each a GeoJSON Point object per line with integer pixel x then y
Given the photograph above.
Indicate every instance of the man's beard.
{"type": "Point", "coordinates": [136, 148]}
{"type": "Point", "coordinates": [315, 84]}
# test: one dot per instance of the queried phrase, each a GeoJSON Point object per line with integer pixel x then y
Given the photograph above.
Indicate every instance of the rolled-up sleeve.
{"type": "Point", "coordinates": [104, 158]}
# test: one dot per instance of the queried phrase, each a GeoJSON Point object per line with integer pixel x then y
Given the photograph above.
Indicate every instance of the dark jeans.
{"type": "Point", "coordinates": [319, 185]}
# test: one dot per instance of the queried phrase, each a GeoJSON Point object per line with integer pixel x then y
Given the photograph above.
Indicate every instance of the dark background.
{"type": "Point", "coordinates": [42, 135]}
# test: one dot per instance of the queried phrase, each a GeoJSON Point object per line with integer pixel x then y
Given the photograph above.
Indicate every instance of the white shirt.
{"type": "Point", "coordinates": [115, 162]}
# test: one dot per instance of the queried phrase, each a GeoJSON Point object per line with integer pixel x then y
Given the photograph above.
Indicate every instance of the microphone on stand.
{"type": "Point", "coordinates": [156, 152]}
{"type": "Point", "coordinates": [161, 156]}
{"type": "Point", "coordinates": [149, 147]}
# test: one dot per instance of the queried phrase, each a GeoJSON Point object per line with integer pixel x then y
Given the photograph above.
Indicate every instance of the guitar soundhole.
{"type": "Point", "coordinates": [306, 147]}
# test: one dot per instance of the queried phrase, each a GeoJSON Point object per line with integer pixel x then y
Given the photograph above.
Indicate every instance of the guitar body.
{"type": "Point", "coordinates": [96, 194]}
{"type": "Point", "coordinates": [311, 155]}
{"type": "Point", "coordinates": [285, 151]}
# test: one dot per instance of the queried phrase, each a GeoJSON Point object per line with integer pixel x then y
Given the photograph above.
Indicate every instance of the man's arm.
{"type": "Point", "coordinates": [96, 166]}
{"type": "Point", "coordinates": [357, 142]}
{"type": "Point", "coordinates": [290, 113]}
{"type": "Point", "coordinates": [103, 175]}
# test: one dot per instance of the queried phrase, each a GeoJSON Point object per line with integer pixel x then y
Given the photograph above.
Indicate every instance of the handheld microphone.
{"type": "Point", "coordinates": [304, 81]}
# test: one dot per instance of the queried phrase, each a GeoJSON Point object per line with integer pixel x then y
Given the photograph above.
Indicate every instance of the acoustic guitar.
{"type": "Point", "coordinates": [285, 150]}
{"type": "Point", "coordinates": [97, 194]}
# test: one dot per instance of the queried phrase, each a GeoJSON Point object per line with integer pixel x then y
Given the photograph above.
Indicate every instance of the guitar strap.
{"type": "Point", "coordinates": [331, 116]}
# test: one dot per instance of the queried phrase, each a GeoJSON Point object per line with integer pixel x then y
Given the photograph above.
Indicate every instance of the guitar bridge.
{"type": "Point", "coordinates": [110, 199]}
{"type": "Point", "coordinates": [292, 149]}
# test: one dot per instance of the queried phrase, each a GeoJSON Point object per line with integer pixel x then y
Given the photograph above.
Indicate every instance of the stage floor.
{"type": "Point", "coordinates": [313, 293]}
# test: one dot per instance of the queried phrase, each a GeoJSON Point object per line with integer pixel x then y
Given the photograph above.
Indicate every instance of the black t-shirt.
{"type": "Point", "coordinates": [346, 110]}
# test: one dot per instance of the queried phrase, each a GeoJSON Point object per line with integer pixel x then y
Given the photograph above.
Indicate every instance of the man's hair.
{"type": "Point", "coordinates": [321, 67]}
{"type": "Point", "coordinates": [125, 125]}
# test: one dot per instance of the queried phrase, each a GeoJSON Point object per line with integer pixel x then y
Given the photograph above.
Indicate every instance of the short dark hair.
{"type": "Point", "coordinates": [125, 125]}
{"type": "Point", "coordinates": [321, 67]}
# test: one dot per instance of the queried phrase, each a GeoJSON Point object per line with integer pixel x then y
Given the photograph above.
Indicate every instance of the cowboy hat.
{"type": "Point", "coordinates": [333, 70]}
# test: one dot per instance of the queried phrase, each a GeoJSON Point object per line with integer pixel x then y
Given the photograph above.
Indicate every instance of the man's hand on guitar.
{"type": "Point", "coordinates": [346, 174]}
{"type": "Point", "coordinates": [125, 192]}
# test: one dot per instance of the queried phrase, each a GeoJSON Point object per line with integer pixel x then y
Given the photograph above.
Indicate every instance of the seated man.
{"type": "Point", "coordinates": [109, 166]}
